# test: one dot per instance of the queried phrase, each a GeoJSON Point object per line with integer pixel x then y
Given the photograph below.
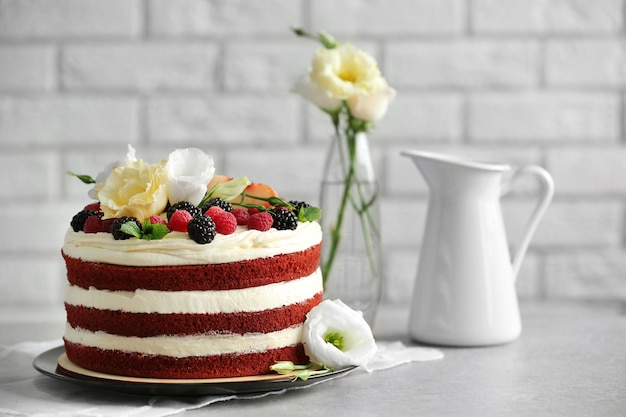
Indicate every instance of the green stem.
{"type": "Point", "coordinates": [347, 183]}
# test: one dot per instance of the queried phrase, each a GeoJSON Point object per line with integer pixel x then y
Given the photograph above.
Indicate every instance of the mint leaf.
{"type": "Point", "coordinates": [131, 228]}
{"type": "Point", "coordinates": [84, 178]}
{"type": "Point", "coordinates": [309, 214]}
{"type": "Point", "coordinates": [158, 232]}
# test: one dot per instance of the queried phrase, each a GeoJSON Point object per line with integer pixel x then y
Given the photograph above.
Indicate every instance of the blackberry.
{"type": "Point", "coordinates": [117, 225]}
{"type": "Point", "coordinates": [183, 205]}
{"type": "Point", "coordinates": [284, 219]}
{"type": "Point", "coordinates": [201, 229]}
{"type": "Point", "coordinates": [224, 205]}
{"type": "Point", "coordinates": [78, 221]}
{"type": "Point", "coordinates": [297, 206]}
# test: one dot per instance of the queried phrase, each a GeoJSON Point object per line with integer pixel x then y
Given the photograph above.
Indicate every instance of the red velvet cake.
{"type": "Point", "coordinates": [169, 294]}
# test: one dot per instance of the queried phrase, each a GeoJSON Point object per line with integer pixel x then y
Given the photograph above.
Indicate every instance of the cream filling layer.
{"type": "Point", "coordinates": [199, 302]}
{"type": "Point", "coordinates": [177, 248]}
{"type": "Point", "coordinates": [185, 346]}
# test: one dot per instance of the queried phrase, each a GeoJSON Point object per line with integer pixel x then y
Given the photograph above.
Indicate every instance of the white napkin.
{"type": "Point", "coordinates": [25, 392]}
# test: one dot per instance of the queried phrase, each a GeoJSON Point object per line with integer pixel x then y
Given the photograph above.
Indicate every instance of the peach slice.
{"type": "Point", "coordinates": [217, 179]}
{"type": "Point", "coordinates": [258, 190]}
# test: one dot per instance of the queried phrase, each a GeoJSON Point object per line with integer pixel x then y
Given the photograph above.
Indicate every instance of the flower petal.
{"type": "Point", "coordinates": [336, 317]}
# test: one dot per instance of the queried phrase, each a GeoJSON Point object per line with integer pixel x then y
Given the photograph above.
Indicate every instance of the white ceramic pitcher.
{"type": "Point", "coordinates": [465, 286]}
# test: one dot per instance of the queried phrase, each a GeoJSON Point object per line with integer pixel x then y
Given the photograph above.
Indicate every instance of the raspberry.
{"type": "Point", "coordinates": [241, 215]}
{"type": "Point", "coordinates": [202, 229]}
{"type": "Point", "coordinates": [179, 221]}
{"type": "Point", "coordinates": [225, 222]}
{"type": "Point", "coordinates": [262, 221]}
{"type": "Point", "coordinates": [78, 221]}
{"type": "Point", "coordinates": [92, 206]}
{"type": "Point", "coordinates": [253, 210]}
{"type": "Point", "coordinates": [117, 225]}
{"type": "Point", "coordinates": [284, 219]}
{"type": "Point", "coordinates": [94, 224]}
{"type": "Point", "coordinates": [213, 211]}
{"type": "Point", "coordinates": [157, 220]}
{"type": "Point", "coordinates": [183, 205]}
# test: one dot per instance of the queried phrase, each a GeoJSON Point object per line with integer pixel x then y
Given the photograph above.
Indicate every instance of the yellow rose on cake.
{"type": "Point", "coordinates": [137, 189]}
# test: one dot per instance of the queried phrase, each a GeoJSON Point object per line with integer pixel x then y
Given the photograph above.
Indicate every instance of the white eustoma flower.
{"type": "Point", "coordinates": [371, 108]}
{"type": "Point", "coordinates": [337, 336]}
{"type": "Point", "coordinates": [190, 170]}
{"type": "Point", "coordinates": [312, 93]}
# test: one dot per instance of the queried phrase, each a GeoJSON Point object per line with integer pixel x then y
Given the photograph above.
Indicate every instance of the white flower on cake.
{"type": "Point", "coordinates": [137, 189]}
{"type": "Point", "coordinates": [337, 336]}
{"type": "Point", "coordinates": [189, 170]}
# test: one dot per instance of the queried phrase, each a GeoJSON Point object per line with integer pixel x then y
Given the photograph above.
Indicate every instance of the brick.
{"type": "Point", "coordinates": [32, 282]}
{"type": "Point", "coordinates": [553, 16]}
{"type": "Point", "coordinates": [462, 63]}
{"type": "Point", "coordinates": [214, 17]}
{"type": "Point", "coordinates": [224, 119]}
{"type": "Point", "coordinates": [266, 66]}
{"type": "Point", "coordinates": [27, 68]}
{"type": "Point", "coordinates": [597, 63]}
{"type": "Point", "coordinates": [140, 66]}
{"type": "Point", "coordinates": [588, 172]}
{"type": "Point", "coordinates": [586, 275]}
{"type": "Point", "coordinates": [30, 175]}
{"type": "Point", "coordinates": [389, 17]}
{"type": "Point", "coordinates": [67, 119]}
{"type": "Point", "coordinates": [403, 222]}
{"type": "Point", "coordinates": [34, 231]}
{"type": "Point", "coordinates": [544, 117]}
{"type": "Point", "coordinates": [567, 224]}
{"type": "Point", "coordinates": [69, 18]}
{"type": "Point", "coordinates": [432, 117]}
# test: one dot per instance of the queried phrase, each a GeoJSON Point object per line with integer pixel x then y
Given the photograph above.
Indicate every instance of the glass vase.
{"type": "Point", "coordinates": [351, 251]}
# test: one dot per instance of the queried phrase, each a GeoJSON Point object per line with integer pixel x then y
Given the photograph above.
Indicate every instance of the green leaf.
{"type": "Point", "coordinates": [131, 228]}
{"type": "Point", "coordinates": [151, 231]}
{"type": "Point", "coordinates": [228, 190]}
{"type": "Point", "coordinates": [84, 178]}
{"type": "Point", "coordinates": [158, 232]}
{"type": "Point", "coordinates": [309, 214]}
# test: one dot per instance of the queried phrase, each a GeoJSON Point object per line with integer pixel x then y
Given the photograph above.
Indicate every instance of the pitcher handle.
{"type": "Point", "coordinates": [547, 192]}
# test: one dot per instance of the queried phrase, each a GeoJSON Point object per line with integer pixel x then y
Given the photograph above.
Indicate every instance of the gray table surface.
{"type": "Point", "coordinates": [570, 361]}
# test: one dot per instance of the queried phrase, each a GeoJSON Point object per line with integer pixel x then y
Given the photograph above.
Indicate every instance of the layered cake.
{"type": "Point", "coordinates": [212, 288]}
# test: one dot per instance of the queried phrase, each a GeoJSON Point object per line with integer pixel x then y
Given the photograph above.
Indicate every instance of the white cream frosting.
{"type": "Point", "coordinates": [184, 346]}
{"type": "Point", "coordinates": [177, 248]}
{"type": "Point", "coordinates": [199, 302]}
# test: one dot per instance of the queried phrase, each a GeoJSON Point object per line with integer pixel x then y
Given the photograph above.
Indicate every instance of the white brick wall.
{"type": "Point", "coordinates": [521, 81]}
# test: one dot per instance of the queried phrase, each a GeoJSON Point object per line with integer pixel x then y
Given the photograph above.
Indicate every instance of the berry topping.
{"type": "Point", "coordinates": [217, 202]}
{"type": "Point", "coordinates": [179, 221]}
{"type": "Point", "coordinates": [297, 206]}
{"type": "Point", "coordinates": [157, 220]}
{"type": "Point", "coordinates": [94, 224]}
{"type": "Point", "coordinates": [78, 221]}
{"type": "Point", "coordinates": [225, 222]}
{"type": "Point", "coordinates": [183, 205]}
{"type": "Point", "coordinates": [202, 229]}
{"type": "Point", "coordinates": [284, 219]}
{"type": "Point", "coordinates": [92, 206]}
{"type": "Point", "coordinates": [241, 215]}
{"type": "Point", "coordinates": [260, 221]}
{"type": "Point", "coordinates": [116, 227]}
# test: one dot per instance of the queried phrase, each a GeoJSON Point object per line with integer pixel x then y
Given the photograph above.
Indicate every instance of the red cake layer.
{"type": "Point", "coordinates": [227, 276]}
{"type": "Point", "coordinates": [153, 324]}
{"type": "Point", "coordinates": [133, 364]}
